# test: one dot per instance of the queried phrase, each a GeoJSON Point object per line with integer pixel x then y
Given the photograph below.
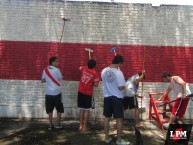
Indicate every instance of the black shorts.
{"type": "Point", "coordinates": [113, 106]}
{"type": "Point", "coordinates": [84, 101]}
{"type": "Point", "coordinates": [52, 101]}
{"type": "Point", "coordinates": [130, 102]}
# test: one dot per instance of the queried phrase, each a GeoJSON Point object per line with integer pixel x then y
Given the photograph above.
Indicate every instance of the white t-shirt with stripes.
{"type": "Point", "coordinates": [51, 87]}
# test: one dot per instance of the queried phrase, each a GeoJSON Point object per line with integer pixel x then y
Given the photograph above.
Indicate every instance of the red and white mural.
{"type": "Point", "coordinates": [30, 34]}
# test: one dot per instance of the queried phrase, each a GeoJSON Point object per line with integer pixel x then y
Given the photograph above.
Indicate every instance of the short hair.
{"type": "Point", "coordinates": [52, 59]}
{"type": "Point", "coordinates": [165, 74]}
{"type": "Point", "coordinates": [117, 59]}
{"type": "Point", "coordinates": [91, 63]}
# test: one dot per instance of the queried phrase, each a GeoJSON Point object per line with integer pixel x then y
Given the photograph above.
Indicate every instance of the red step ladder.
{"type": "Point", "coordinates": [159, 113]}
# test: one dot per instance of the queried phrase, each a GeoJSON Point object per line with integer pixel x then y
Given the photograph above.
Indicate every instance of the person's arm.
{"type": "Point", "coordinates": [140, 77]}
{"type": "Point", "coordinates": [96, 84]}
{"type": "Point", "coordinates": [178, 80]}
{"type": "Point", "coordinates": [43, 80]}
{"type": "Point", "coordinates": [60, 77]}
{"type": "Point", "coordinates": [165, 94]}
{"type": "Point", "coordinates": [121, 81]}
{"type": "Point", "coordinates": [96, 80]}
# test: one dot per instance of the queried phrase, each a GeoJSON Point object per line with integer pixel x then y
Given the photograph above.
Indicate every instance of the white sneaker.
{"type": "Point", "coordinates": [122, 142]}
{"type": "Point", "coordinates": [108, 140]}
{"type": "Point", "coordinates": [58, 126]}
{"type": "Point", "coordinates": [166, 126]}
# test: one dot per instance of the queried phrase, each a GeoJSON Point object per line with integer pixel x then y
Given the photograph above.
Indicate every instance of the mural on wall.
{"type": "Point", "coordinates": [31, 32]}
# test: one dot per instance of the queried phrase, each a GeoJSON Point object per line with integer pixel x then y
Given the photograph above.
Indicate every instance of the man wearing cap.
{"type": "Point", "coordinates": [130, 96]}
{"type": "Point", "coordinates": [181, 89]}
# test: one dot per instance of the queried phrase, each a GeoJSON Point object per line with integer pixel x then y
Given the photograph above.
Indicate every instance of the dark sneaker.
{"type": "Point", "coordinates": [50, 127]}
{"type": "Point", "coordinates": [58, 126]}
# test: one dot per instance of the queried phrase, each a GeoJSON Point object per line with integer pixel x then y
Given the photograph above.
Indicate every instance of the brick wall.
{"type": "Point", "coordinates": [30, 32]}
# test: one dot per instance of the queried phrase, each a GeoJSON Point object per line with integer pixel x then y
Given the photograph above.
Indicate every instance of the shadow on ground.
{"type": "Point", "coordinates": [34, 132]}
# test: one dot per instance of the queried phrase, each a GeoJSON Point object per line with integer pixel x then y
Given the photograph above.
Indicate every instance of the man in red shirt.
{"type": "Point", "coordinates": [89, 79]}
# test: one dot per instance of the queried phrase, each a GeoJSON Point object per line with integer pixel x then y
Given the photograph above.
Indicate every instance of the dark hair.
{"type": "Point", "coordinates": [91, 63]}
{"type": "Point", "coordinates": [165, 74]}
{"type": "Point", "coordinates": [117, 59]}
{"type": "Point", "coordinates": [52, 59]}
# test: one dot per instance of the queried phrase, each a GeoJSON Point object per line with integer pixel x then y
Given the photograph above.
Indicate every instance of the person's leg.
{"type": "Point", "coordinates": [49, 110]}
{"type": "Point", "coordinates": [81, 117]}
{"type": "Point", "coordinates": [59, 107]}
{"type": "Point", "coordinates": [106, 127]}
{"type": "Point", "coordinates": [119, 128]}
{"type": "Point", "coordinates": [50, 118]}
{"type": "Point", "coordinates": [85, 121]}
{"type": "Point", "coordinates": [107, 112]}
{"type": "Point", "coordinates": [172, 119]}
{"type": "Point", "coordinates": [182, 119]}
{"type": "Point", "coordinates": [183, 110]}
{"type": "Point", "coordinates": [118, 113]}
{"type": "Point", "coordinates": [59, 117]}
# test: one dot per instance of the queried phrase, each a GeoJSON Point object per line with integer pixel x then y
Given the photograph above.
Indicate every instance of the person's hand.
{"type": "Point", "coordinates": [143, 71]}
{"type": "Point", "coordinates": [159, 99]}
{"type": "Point", "coordinates": [183, 96]}
{"type": "Point", "coordinates": [139, 96]}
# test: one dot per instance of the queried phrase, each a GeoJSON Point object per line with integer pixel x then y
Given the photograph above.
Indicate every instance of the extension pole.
{"type": "Point", "coordinates": [142, 80]}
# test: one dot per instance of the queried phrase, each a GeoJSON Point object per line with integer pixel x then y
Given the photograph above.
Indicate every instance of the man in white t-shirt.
{"type": "Point", "coordinates": [113, 83]}
{"type": "Point", "coordinates": [53, 98]}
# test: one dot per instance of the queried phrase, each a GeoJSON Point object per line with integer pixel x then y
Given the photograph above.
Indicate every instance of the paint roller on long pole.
{"type": "Point", "coordinates": [89, 52]}
{"type": "Point", "coordinates": [64, 20]}
{"type": "Point", "coordinates": [113, 50]}
{"type": "Point", "coordinates": [143, 68]}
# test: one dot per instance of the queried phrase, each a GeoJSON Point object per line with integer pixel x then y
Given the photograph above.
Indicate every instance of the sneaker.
{"type": "Point", "coordinates": [108, 140]}
{"type": "Point", "coordinates": [58, 126]}
{"type": "Point", "coordinates": [166, 126]}
{"type": "Point", "coordinates": [50, 127]}
{"type": "Point", "coordinates": [122, 142]}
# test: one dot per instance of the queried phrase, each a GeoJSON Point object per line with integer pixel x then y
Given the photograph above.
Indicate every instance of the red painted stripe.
{"type": "Point", "coordinates": [26, 60]}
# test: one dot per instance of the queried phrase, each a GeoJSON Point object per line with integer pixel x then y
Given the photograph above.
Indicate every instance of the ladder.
{"type": "Point", "coordinates": [159, 113]}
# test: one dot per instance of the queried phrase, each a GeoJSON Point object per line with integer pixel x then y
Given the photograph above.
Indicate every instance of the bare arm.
{"type": "Point", "coordinates": [96, 84]}
{"type": "Point", "coordinates": [178, 80]}
{"type": "Point", "coordinates": [165, 94]}
{"type": "Point", "coordinates": [140, 78]}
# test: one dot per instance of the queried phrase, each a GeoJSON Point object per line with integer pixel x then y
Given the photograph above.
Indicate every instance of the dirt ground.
{"type": "Point", "coordinates": [34, 132]}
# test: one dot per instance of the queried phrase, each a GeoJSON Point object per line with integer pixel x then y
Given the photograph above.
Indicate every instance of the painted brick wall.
{"type": "Point", "coordinates": [30, 32]}
{"type": "Point", "coordinates": [101, 23]}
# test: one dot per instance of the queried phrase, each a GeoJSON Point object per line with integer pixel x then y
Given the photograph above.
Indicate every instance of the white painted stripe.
{"type": "Point", "coordinates": [25, 98]}
{"type": "Point", "coordinates": [99, 23]}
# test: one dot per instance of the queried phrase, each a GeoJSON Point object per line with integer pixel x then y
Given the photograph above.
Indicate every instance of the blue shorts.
{"type": "Point", "coordinates": [113, 106]}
